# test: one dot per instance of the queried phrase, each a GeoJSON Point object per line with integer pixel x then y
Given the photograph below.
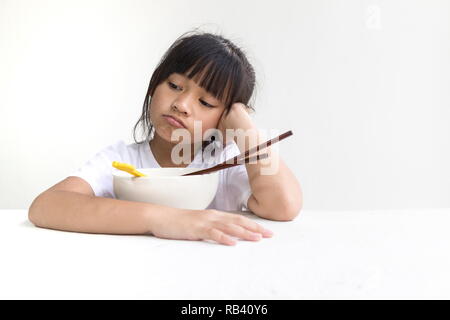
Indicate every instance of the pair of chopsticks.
{"type": "Point", "coordinates": [243, 157]}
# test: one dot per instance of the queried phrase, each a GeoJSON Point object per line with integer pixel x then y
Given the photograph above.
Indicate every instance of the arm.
{"type": "Point", "coordinates": [72, 206]}
{"type": "Point", "coordinates": [276, 195]}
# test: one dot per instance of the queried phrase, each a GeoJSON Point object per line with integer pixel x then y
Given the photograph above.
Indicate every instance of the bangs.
{"type": "Point", "coordinates": [214, 68]}
{"type": "Point", "coordinates": [217, 78]}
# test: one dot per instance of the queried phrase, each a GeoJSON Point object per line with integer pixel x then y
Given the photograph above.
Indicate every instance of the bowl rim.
{"type": "Point", "coordinates": [123, 175]}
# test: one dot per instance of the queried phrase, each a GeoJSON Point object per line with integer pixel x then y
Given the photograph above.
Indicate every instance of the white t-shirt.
{"type": "Point", "coordinates": [232, 193]}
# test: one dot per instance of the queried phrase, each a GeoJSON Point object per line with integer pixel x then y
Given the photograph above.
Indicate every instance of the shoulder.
{"type": "Point", "coordinates": [120, 148]}
{"type": "Point", "coordinates": [116, 151]}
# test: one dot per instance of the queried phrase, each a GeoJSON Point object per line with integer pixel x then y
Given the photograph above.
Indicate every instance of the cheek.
{"type": "Point", "coordinates": [152, 111]}
{"type": "Point", "coordinates": [158, 96]}
{"type": "Point", "coordinates": [156, 106]}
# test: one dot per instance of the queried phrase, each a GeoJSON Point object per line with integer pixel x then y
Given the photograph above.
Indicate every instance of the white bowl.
{"type": "Point", "coordinates": [166, 186]}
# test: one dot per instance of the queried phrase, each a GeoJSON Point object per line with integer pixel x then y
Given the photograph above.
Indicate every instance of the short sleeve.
{"type": "Point", "coordinates": [97, 171]}
{"type": "Point", "coordinates": [238, 187]}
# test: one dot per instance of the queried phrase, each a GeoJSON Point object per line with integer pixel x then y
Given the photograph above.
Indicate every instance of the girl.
{"type": "Point", "coordinates": [202, 79]}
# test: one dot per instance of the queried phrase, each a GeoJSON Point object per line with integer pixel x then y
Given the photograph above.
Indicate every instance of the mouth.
{"type": "Point", "coordinates": [174, 121]}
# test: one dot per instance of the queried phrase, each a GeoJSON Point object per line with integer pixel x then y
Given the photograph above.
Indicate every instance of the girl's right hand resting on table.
{"type": "Point", "coordinates": [209, 224]}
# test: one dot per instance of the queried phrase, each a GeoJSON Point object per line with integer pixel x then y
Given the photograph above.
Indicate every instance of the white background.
{"type": "Point", "coordinates": [364, 86]}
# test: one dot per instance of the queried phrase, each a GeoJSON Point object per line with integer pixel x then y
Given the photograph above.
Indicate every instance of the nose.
{"type": "Point", "coordinates": [181, 105]}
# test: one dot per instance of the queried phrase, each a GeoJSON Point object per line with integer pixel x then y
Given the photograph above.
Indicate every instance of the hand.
{"type": "Point", "coordinates": [209, 224]}
{"type": "Point", "coordinates": [238, 117]}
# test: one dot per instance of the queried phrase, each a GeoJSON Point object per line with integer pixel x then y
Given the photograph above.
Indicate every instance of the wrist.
{"type": "Point", "coordinates": [157, 217]}
{"type": "Point", "coordinates": [247, 138]}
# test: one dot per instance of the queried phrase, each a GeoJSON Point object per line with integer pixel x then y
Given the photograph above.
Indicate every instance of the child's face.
{"type": "Point", "coordinates": [192, 103]}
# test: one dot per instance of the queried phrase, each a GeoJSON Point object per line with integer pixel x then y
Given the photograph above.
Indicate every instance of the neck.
{"type": "Point", "coordinates": [162, 151]}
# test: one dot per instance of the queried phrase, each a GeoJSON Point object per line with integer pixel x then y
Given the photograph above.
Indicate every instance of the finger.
{"type": "Point", "coordinates": [252, 226]}
{"type": "Point", "coordinates": [219, 236]}
{"type": "Point", "coordinates": [239, 232]}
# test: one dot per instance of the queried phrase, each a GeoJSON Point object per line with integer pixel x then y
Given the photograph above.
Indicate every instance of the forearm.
{"type": "Point", "coordinates": [70, 211]}
{"type": "Point", "coordinates": [80, 212]}
{"type": "Point", "coordinates": [276, 193]}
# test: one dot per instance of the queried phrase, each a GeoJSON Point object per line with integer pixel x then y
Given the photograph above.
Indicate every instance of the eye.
{"type": "Point", "coordinates": [206, 104]}
{"type": "Point", "coordinates": [172, 85]}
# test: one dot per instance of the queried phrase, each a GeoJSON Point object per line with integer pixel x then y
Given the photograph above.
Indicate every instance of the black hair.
{"type": "Point", "coordinates": [223, 67]}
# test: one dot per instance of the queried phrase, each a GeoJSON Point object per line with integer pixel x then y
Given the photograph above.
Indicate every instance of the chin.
{"type": "Point", "coordinates": [166, 132]}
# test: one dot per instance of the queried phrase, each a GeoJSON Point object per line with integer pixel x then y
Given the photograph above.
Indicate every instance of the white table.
{"type": "Point", "coordinates": [321, 255]}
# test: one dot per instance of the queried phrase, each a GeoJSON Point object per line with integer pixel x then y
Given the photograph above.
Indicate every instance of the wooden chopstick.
{"type": "Point", "coordinates": [262, 146]}
{"type": "Point", "coordinates": [223, 165]}
{"type": "Point", "coordinates": [243, 156]}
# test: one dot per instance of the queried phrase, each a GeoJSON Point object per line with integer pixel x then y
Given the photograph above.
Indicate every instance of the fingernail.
{"type": "Point", "coordinates": [267, 232]}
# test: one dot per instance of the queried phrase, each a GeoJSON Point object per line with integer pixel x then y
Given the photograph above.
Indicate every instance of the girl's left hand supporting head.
{"type": "Point", "coordinates": [237, 118]}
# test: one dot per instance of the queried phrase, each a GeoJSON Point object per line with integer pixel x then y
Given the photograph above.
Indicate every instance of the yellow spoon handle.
{"type": "Point", "coordinates": [127, 168]}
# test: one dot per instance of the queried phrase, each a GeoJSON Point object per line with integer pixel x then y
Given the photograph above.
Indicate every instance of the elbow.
{"type": "Point", "coordinates": [281, 207]}
{"type": "Point", "coordinates": [33, 211]}
{"type": "Point", "coordinates": [289, 205]}
{"type": "Point", "coordinates": [289, 210]}
{"type": "Point", "coordinates": [283, 210]}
